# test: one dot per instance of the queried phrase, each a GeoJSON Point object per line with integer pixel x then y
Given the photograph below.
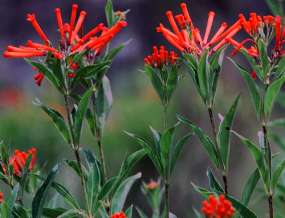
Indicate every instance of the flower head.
{"type": "Point", "coordinates": [71, 40]}
{"type": "Point", "coordinates": [187, 38]}
{"type": "Point", "coordinates": [217, 207]}
{"type": "Point", "coordinates": [119, 215]}
{"type": "Point", "coordinates": [161, 57]}
{"type": "Point", "coordinates": [261, 27]}
{"type": "Point", "coordinates": [19, 158]}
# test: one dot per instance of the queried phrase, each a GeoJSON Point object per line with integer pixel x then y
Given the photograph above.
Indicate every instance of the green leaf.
{"type": "Point", "coordinates": [277, 123]}
{"type": "Point", "coordinates": [109, 12]}
{"type": "Point", "coordinates": [213, 182]}
{"type": "Point", "coordinates": [203, 75]}
{"type": "Point", "coordinates": [276, 7]}
{"type": "Point", "coordinates": [156, 81]}
{"type": "Point", "coordinates": [171, 82]}
{"type": "Point", "coordinates": [53, 212]}
{"type": "Point", "coordinates": [130, 162]}
{"type": "Point", "coordinates": [207, 143]}
{"type": "Point", "coordinates": [121, 193]}
{"type": "Point", "coordinates": [277, 173]}
{"type": "Point", "coordinates": [257, 154]}
{"type": "Point", "coordinates": [263, 57]}
{"type": "Point", "coordinates": [73, 165]}
{"type": "Point", "coordinates": [93, 180]}
{"type": "Point", "coordinates": [57, 119]}
{"type": "Point", "coordinates": [113, 52]}
{"type": "Point", "coordinates": [49, 74]}
{"type": "Point", "coordinates": [166, 141]}
{"type": "Point", "coordinates": [80, 114]}
{"type": "Point", "coordinates": [19, 211]}
{"type": "Point", "coordinates": [68, 198]}
{"type": "Point", "coordinates": [281, 66]}
{"type": "Point", "coordinates": [141, 213]}
{"type": "Point", "coordinates": [129, 212]}
{"type": "Point", "coordinates": [73, 213]}
{"type": "Point", "coordinates": [250, 186]}
{"type": "Point", "coordinates": [175, 152]}
{"type": "Point", "coordinates": [107, 188]}
{"type": "Point", "coordinates": [271, 94]}
{"type": "Point", "coordinates": [216, 61]}
{"type": "Point", "coordinates": [253, 88]}
{"type": "Point", "coordinates": [224, 132]}
{"type": "Point", "coordinates": [41, 194]}
{"type": "Point", "coordinates": [241, 209]}
{"type": "Point", "coordinates": [103, 102]}
{"type": "Point", "coordinates": [151, 152]}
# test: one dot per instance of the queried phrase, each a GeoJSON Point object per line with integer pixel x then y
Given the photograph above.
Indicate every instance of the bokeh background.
{"type": "Point", "coordinates": [136, 107]}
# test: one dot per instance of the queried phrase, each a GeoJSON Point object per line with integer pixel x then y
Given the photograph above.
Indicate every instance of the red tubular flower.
{"type": "Point", "coordinates": [78, 25]}
{"type": "Point", "coordinates": [119, 215]}
{"type": "Point", "coordinates": [73, 16]}
{"type": "Point", "coordinates": [1, 197]}
{"type": "Point", "coordinates": [152, 185]}
{"type": "Point", "coordinates": [19, 158]}
{"type": "Point", "coordinates": [161, 57]}
{"type": "Point", "coordinates": [188, 37]}
{"type": "Point", "coordinates": [71, 43]}
{"type": "Point", "coordinates": [253, 75]}
{"type": "Point", "coordinates": [60, 23]}
{"type": "Point", "coordinates": [38, 77]}
{"type": "Point", "coordinates": [32, 18]}
{"type": "Point", "coordinates": [216, 207]}
{"type": "Point", "coordinates": [278, 33]}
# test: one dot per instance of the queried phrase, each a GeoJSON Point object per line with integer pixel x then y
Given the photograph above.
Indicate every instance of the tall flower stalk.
{"type": "Point", "coordinates": [203, 57]}
{"type": "Point", "coordinates": [265, 53]}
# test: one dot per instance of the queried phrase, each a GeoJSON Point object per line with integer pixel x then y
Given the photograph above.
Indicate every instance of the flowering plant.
{"type": "Point", "coordinates": [77, 67]}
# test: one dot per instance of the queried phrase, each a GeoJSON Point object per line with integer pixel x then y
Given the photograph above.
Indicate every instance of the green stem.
{"type": "Point", "coordinates": [101, 152]}
{"type": "Point", "coordinates": [166, 197]}
{"type": "Point", "coordinates": [75, 147]}
{"type": "Point", "coordinates": [165, 109]}
{"type": "Point", "coordinates": [214, 132]}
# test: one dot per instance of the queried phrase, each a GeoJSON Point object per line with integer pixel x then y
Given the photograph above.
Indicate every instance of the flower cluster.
{"type": "Point", "coordinates": [216, 207]}
{"type": "Point", "coordinates": [71, 42]}
{"type": "Point", "coordinates": [187, 38]}
{"type": "Point", "coordinates": [260, 27]}
{"type": "Point", "coordinates": [19, 158]}
{"type": "Point", "coordinates": [119, 215]}
{"type": "Point", "coordinates": [161, 57]}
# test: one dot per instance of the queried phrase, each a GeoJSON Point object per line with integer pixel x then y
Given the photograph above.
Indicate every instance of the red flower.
{"type": "Point", "coordinates": [119, 215]}
{"type": "Point", "coordinates": [19, 158]}
{"type": "Point", "coordinates": [161, 57]}
{"type": "Point", "coordinates": [1, 197]}
{"type": "Point", "coordinates": [152, 185]}
{"type": "Point", "coordinates": [217, 207]}
{"type": "Point", "coordinates": [71, 42]}
{"type": "Point", "coordinates": [38, 77]}
{"type": "Point", "coordinates": [253, 27]}
{"type": "Point", "coordinates": [187, 38]}
{"type": "Point", "coordinates": [71, 75]}
{"type": "Point", "coordinates": [253, 75]}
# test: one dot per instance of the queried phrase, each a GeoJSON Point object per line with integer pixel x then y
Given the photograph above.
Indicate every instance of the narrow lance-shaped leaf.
{"type": "Point", "coordinates": [264, 57]}
{"type": "Point", "coordinates": [224, 132]}
{"type": "Point", "coordinates": [253, 88]}
{"type": "Point", "coordinates": [41, 194]}
{"type": "Point", "coordinates": [203, 75]}
{"type": "Point", "coordinates": [276, 7]}
{"type": "Point", "coordinates": [207, 143]}
{"type": "Point", "coordinates": [80, 114]}
{"type": "Point", "coordinates": [109, 11]}
{"type": "Point", "coordinates": [250, 186]}
{"type": "Point", "coordinates": [103, 102]}
{"type": "Point", "coordinates": [213, 182]}
{"type": "Point", "coordinates": [277, 173]}
{"type": "Point", "coordinates": [257, 154]}
{"type": "Point", "coordinates": [57, 119]}
{"type": "Point", "coordinates": [271, 94]}
{"type": "Point", "coordinates": [121, 193]}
